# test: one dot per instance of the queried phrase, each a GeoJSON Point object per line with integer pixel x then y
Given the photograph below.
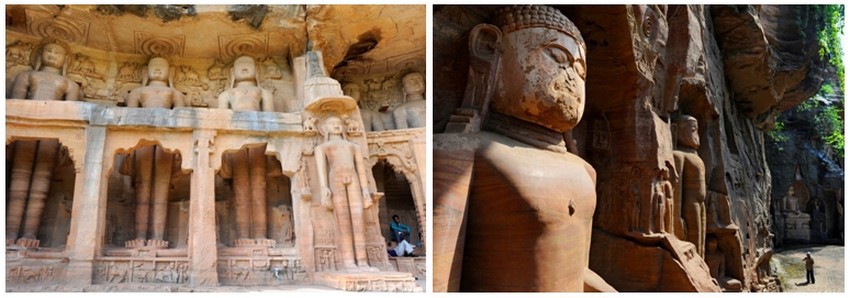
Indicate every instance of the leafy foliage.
{"type": "Point", "coordinates": [830, 127]}
{"type": "Point", "coordinates": [829, 22]}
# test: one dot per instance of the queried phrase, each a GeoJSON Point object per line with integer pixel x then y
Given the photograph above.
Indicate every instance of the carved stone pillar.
{"type": "Point", "coordinates": [89, 212]}
{"type": "Point", "coordinates": [202, 241]}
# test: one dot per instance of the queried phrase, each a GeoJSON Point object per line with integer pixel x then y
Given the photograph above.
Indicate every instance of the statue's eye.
{"type": "Point", "coordinates": [557, 53]}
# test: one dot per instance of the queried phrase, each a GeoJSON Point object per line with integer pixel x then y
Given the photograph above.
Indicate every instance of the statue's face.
{"type": "Point", "coordinates": [414, 83]}
{"type": "Point", "coordinates": [689, 134]}
{"type": "Point", "coordinates": [333, 125]}
{"type": "Point", "coordinates": [542, 78]}
{"type": "Point", "coordinates": [244, 68]}
{"type": "Point", "coordinates": [53, 55]}
{"type": "Point", "coordinates": [158, 69]}
{"type": "Point", "coordinates": [352, 90]}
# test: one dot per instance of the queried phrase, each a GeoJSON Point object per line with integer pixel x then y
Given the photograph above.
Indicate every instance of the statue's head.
{"type": "Point", "coordinates": [158, 69]}
{"type": "Point", "coordinates": [791, 191]}
{"type": "Point", "coordinates": [688, 131]}
{"type": "Point", "coordinates": [352, 90]}
{"type": "Point", "coordinates": [413, 83]}
{"type": "Point", "coordinates": [333, 126]}
{"type": "Point", "coordinates": [541, 77]}
{"type": "Point", "coordinates": [244, 69]}
{"type": "Point", "coordinates": [52, 53]}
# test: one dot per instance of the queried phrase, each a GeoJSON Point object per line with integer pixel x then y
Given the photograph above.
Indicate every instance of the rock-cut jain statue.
{"type": "Point", "coordinates": [34, 161]}
{"type": "Point", "coordinates": [151, 166]}
{"type": "Point", "coordinates": [526, 202]}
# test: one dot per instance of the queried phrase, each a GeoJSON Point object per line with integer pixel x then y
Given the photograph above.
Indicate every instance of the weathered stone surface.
{"type": "Point", "coordinates": [730, 67]}
{"type": "Point", "coordinates": [208, 176]}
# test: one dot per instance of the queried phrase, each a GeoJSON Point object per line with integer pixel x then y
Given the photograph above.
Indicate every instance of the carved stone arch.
{"type": "Point", "coordinates": [402, 161]}
{"type": "Point", "coordinates": [74, 144]}
{"type": "Point", "coordinates": [125, 146]}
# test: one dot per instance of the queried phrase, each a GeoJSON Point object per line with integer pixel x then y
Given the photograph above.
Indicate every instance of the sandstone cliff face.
{"type": "Point", "coordinates": [731, 67]}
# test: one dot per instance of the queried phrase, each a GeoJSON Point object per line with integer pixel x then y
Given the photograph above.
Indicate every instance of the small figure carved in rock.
{"type": "Point", "coordinates": [34, 161]}
{"type": "Point", "coordinates": [515, 179]}
{"type": "Point", "coordinates": [411, 114]}
{"type": "Point", "coordinates": [371, 119]}
{"type": "Point", "coordinates": [790, 203]}
{"type": "Point", "coordinates": [342, 177]}
{"type": "Point", "coordinates": [690, 188]}
{"type": "Point", "coordinates": [151, 166]}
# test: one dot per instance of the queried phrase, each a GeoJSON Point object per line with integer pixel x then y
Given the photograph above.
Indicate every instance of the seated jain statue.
{"type": "Point", "coordinates": [151, 166]}
{"type": "Point", "coordinates": [371, 119]}
{"type": "Point", "coordinates": [411, 114]}
{"type": "Point", "coordinates": [33, 162]}
{"type": "Point", "coordinates": [716, 261]}
{"type": "Point", "coordinates": [247, 166]}
{"type": "Point", "coordinates": [689, 190]}
{"type": "Point", "coordinates": [526, 202]}
{"type": "Point", "coordinates": [342, 177]}
{"type": "Point", "coordinates": [245, 93]}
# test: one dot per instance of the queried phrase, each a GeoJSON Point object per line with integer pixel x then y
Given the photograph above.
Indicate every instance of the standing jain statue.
{"type": "Point", "coordinates": [151, 166]}
{"type": "Point", "coordinates": [248, 165]}
{"type": "Point", "coordinates": [34, 161]}
{"type": "Point", "coordinates": [411, 114]}
{"type": "Point", "coordinates": [342, 177]}
{"type": "Point", "coordinates": [513, 209]}
{"type": "Point", "coordinates": [690, 189]}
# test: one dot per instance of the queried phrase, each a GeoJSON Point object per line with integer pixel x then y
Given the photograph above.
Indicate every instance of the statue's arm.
{"type": "Point", "coordinates": [400, 118]}
{"type": "Point", "coordinates": [223, 102]}
{"type": "Point", "coordinates": [22, 84]}
{"type": "Point", "coordinates": [73, 93]}
{"type": "Point", "coordinates": [377, 121]}
{"type": "Point", "coordinates": [134, 98]}
{"type": "Point", "coordinates": [268, 101]}
{"type": "Point", "coordinates": [361, 173]}
{"type": "Point", "coordinates": [179, 99]}
{"type": "Point", "coordinates": [321, 169]}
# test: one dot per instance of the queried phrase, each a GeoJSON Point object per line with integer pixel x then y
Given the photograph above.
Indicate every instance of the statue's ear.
{"type": "Point", "coordinates": [485, 41]}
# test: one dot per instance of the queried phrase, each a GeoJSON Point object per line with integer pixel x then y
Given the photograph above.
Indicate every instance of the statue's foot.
{"type": "Point", "coordinates": [10, 242]}
{"type": "Point", "coordinates": [266, 242]}
{"type": "Point", "coordinates": [157, 243]}
{"type": "Point", "coordinates": [367, 268]}
{"type": "Point", "coordinates": [351, 268]}
{"type": "Point", "coordinates": [28, 242]}
{"type": "Point", "coordinates": [244, 242]}
{"type": "Point", "coordinates": [134, 243]}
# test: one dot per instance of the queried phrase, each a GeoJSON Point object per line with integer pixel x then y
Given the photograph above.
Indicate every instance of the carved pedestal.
{"type": "Point", "coordinates": [797, 227]}
{"type": "Point", "coordinates": [369, 281]}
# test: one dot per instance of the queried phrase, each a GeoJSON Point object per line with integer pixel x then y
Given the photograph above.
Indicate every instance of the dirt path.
{"type": "Point", "coordinates": [829, 268]}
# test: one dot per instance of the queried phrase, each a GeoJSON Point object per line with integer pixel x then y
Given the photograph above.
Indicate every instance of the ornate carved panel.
{"type": "Point", "coordinates": [232, 46]}
{"type": "Point", "coordinates": [163, 45]}
{"type": "Point", "coordinates": [45, 24]}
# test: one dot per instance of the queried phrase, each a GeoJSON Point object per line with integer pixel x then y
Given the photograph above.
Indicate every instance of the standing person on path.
{"type": "Point", "coordinates": [810, 268]}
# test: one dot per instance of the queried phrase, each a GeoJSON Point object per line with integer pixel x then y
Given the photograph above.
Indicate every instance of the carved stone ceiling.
{"type": "Point", "coordinates": [378, 32]}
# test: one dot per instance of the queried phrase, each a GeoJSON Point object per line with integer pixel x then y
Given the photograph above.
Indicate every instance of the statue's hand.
{"type": "Point", "coordinates": [327, 202]}
{"type": "Point", "coordinates": [367, 199]}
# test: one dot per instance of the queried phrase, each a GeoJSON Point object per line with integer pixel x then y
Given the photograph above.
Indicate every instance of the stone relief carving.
{"type": "Point", "coordinates": [30, 274]}
{"type": "Point", "coordinates": [243, 44]}
{"type": "Point", "coordinates": [45, 24]}
{"type": "Point", "coordinates": [162, 45]}
{"type": "Point", "coordinates": [142, 271]}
